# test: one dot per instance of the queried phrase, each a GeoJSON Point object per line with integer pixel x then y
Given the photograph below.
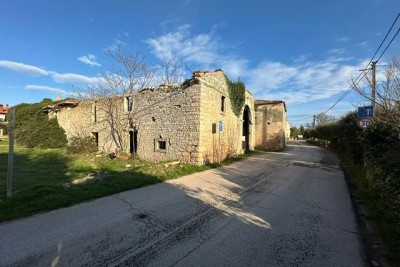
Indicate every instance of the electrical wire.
{"type": "Point", "coordinates": [364, 73]}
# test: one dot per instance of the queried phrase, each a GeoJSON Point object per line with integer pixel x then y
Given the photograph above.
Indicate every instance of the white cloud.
{"type": "Point", "coordinates": [73, 78]}
{"type": "Point", "coordinates": [300, 81]}
{"type": "Point", "coordinates": [90, 60]}
{"type": "Point", "coordinates": [343, 39]}
{"type": "Point", "coordinates": [23, 68]}
{"type": "Point", "coordinates": [117, 43]}
{"type": "Point", "coordinates": [46, 88]}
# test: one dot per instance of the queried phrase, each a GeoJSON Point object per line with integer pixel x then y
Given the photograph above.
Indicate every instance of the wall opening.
{"type": "Point", "coordinates": [96, 139]}
{"type": "Point", "coordinates": [133, 142]}
{"type": "Point", "coordinates": [246, 128]}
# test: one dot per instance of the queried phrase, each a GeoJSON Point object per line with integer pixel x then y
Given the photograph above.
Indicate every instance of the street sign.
{"type": "Point", "coordinates": [365, 112]}
{"type": "Point", "coordinates": [221, 127]}
{"type": "Point", "coordinates": [364, 123]}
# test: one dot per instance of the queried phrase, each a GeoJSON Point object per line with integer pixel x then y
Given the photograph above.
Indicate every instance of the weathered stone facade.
{"type": "Point", "coordinates": [272, 128]}
{"type": "Point", "coordinates": [167, 123]}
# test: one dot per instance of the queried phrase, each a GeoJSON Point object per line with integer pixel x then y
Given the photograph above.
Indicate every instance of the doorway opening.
{"type": "Point", "coordinates": [246, 128]}
{"type": "Point", "coordinates": [133, 144]}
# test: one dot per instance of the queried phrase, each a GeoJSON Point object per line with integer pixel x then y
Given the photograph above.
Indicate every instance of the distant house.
{"type": "Point", "coordinates": [193, 122]}
{"type": "Point", "coordinates": [3, 112]}
{"type": "Point", "coordinates": [272, 127]}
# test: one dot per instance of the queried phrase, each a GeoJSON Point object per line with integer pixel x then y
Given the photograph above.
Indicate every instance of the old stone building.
{"type": "Point", "coordinates": [272, 128]}
{"type": "Point", "coordinates": [192, 123]}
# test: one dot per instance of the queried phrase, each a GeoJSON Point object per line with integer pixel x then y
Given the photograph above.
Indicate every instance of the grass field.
{"type": "Point", "coordinates": [40, 176]}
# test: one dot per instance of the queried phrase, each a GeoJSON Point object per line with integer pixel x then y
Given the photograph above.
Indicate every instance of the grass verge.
{"type": "Point", "coordinates": [40, 176]}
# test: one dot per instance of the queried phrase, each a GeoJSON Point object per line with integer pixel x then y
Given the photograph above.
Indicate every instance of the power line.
{"type": "Point", "coordinates": [364, 73]}
{"type": "Point", "coordinates": [384, 39]}
{"type": "Point", "coordinates": [388, 44]}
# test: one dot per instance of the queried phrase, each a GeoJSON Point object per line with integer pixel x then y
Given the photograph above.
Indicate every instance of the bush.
{"type": "Point", "coordinates": [82, 145]}
{"type": "Point", "coordinates": [381, 144]}
{"type": "Point", "coordinates": [33, 128]}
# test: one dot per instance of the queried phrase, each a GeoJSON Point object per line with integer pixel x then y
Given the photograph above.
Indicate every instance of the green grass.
{"type": "Point", "coordinates": [39, 175]}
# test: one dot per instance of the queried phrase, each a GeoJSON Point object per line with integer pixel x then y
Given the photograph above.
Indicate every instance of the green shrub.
{"type": "Point", "coordinates": [33, 128]}
{"type": "Point", "coordinates": [82, 145]}
{"type": "Point", "coordinates": [381, 145]}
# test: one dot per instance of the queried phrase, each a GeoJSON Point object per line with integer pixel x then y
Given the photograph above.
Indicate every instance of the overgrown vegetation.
{"type": "Point", "coordinates": [237, 92]}
{"type": "Point", "coordinates": [41, 176]}
{"type": "Point", "coordinates": [33, 128]}
{"type": "Point", "coordinates": [82, 145]}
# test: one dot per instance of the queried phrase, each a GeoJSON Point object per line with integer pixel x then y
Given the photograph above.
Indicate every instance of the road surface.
{"type": "Point", "coordinates": [273, 209]}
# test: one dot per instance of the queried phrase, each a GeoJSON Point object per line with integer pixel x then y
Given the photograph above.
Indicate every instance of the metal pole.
{"type": "Point", "coordinates": [10, 153]}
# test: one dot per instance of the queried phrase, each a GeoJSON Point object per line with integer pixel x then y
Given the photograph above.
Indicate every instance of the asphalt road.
{"type": "Point", "coordinates": [273, 209]}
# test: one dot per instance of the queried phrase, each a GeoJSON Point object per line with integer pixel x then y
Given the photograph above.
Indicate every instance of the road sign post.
{"type": "Point", "coordinates": [365, 112]}
{"type": "Point", "coordinates": [364, 123]}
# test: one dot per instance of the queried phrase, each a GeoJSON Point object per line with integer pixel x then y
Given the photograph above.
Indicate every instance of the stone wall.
{"type": "Point", "coordinates": [271, 125]}
{"type": "Point", "coordinates": [166, 123]}
{"type": "Point", "coordinates": [228, 142]}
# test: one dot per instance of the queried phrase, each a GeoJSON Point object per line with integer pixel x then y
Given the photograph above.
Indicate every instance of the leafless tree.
{"type": "Point", "coordinates": [115, 98]}
{"type": "Point", "coordinates": [387, 101]}
{"type": "Point", "coordinates": [324, 119]}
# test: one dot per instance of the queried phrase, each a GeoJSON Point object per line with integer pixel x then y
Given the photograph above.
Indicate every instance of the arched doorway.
{"type": "Point", "coordinates": [246, 128]}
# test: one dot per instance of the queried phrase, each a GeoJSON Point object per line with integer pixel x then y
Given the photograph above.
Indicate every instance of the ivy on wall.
{"type": "Point", "coordinates": [237, 92]}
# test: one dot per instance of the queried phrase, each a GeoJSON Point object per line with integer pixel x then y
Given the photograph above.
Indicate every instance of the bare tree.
{"type": "Point", "coordinates": [387, 101]}
{"type": "Point", "coordinates": [114, 98]}
{"type": "Point", "coordinates": [324, 119]}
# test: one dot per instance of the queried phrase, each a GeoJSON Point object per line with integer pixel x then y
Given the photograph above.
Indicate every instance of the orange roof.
{"type": "Point", "coordinates": [4, 109]}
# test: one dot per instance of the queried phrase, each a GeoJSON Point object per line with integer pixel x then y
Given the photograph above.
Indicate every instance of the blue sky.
{"type": "Point", "coordinates": [301, 52]}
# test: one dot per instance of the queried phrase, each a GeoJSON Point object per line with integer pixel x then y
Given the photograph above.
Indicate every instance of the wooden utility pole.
{"type": "Point", "coordinates": [313, 125]}
{"type": "Point", "coordinates": [373, 96]}
{"type": "Point", "coordinates": [10, 153]}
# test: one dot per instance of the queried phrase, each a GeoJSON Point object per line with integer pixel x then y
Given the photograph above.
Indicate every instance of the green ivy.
{"type": "Point", "coordinates": [237, 92]}
{"type": "Point", "coordinates": [33, 128]}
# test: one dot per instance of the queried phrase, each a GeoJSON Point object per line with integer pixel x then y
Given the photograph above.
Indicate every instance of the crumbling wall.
{"type": "Point", "coordinates": [271, 126]}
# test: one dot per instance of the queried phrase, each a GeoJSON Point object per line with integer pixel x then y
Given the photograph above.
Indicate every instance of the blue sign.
{"type": "Point", "coordinates": [365, 112]}
{"type": "Point", "coordinates": [221, 127]}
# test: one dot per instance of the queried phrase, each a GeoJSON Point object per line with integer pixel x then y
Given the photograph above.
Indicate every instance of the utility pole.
{"type": "Point", "coordinates": [373, 96]}
{"type": "Point", "coordinates": [10, 153]}
{"type": "Point", "coordinates": [313, 125]}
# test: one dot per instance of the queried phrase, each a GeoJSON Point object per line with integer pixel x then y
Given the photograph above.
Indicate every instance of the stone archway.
{"type": "Point", "coordinates": [246, 128]}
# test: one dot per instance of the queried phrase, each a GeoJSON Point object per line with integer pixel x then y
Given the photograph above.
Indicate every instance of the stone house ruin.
{"type": "Point", "coordinates": [272, 127]}
{"type": "Point", "coordinates": [193, 123]}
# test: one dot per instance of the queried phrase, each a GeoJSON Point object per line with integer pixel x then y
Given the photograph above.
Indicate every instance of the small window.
{"type": "Point", "coordinates": [94, 113]}
{"type": "Point", "coordinates": [128, 103]}
{"type": "Point", "coordinates": [222, 103]}
{"type": "Point", "coordinates": [160, 145]}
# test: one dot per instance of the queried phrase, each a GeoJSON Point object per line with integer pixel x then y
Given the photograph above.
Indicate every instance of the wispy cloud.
{"type": "Point", "coordinates": [90, 60]}
{"type": "Point", "coordinates": [23, 68]}
{"type": "Point", "coordinates": [116, 44]}
{"type": "Point", "coordinates": [300, 81]}
{"type": "Point", "coordinates": [343, 40]}
{"type": "Point", "coordinates": [73, 78]}
{"type": "Point", "coordinates": [46, 88]}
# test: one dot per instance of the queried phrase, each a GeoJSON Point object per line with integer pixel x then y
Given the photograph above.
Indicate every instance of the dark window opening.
{"type": "Point", "coordinates": [133, 141]}
{"type": "Point", "coordinates": [222, 103]}
{"type": "Point", "coordinates": [96, 139]}
{"type": "Point", "coordinates": [162, 145]}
